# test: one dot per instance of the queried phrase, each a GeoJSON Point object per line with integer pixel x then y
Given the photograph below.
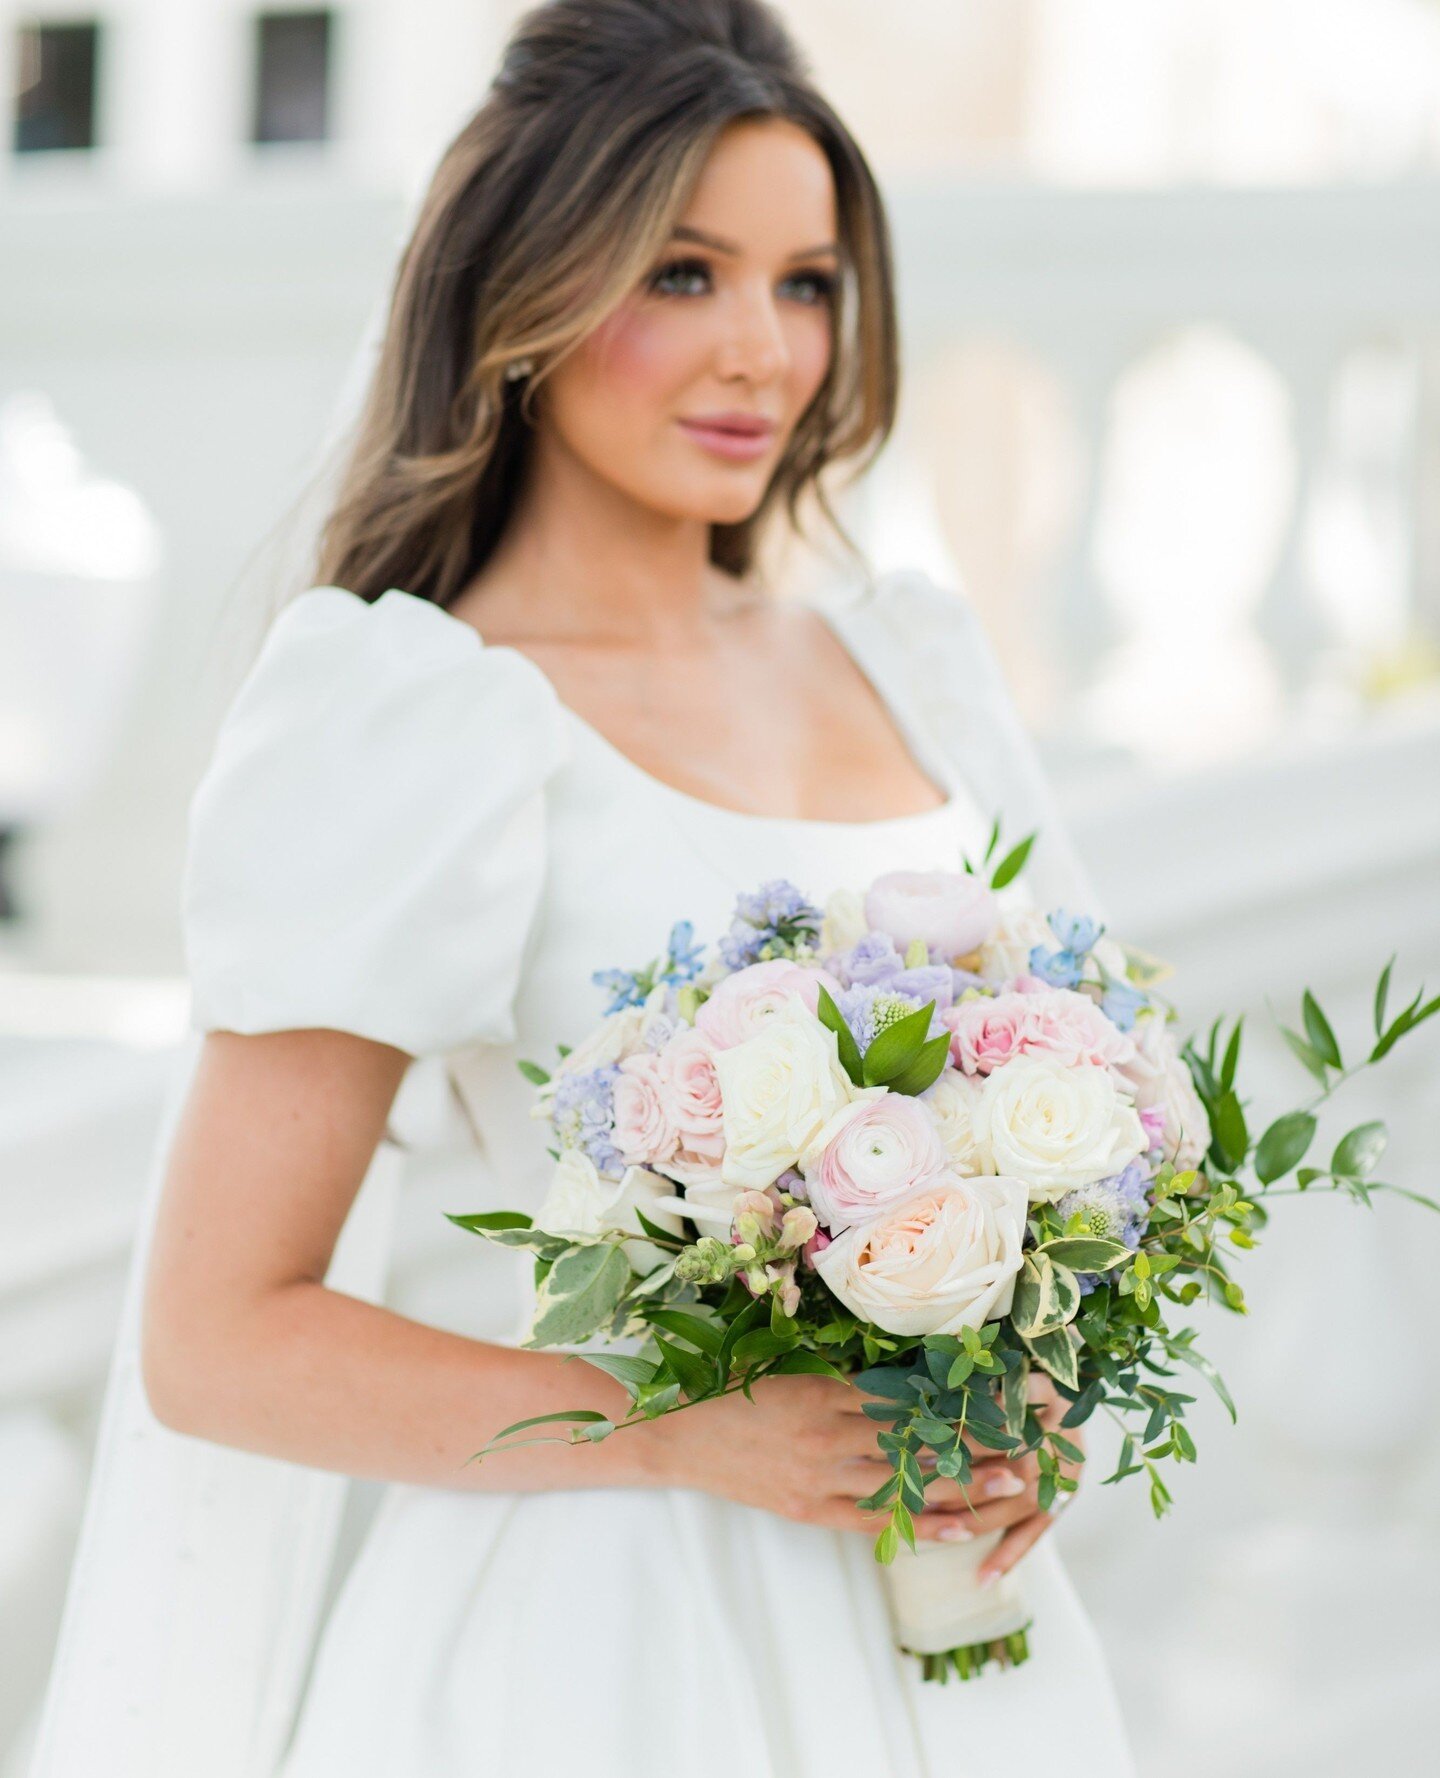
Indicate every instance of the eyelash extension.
{"type": "Point", "coordinates": [824, 281]}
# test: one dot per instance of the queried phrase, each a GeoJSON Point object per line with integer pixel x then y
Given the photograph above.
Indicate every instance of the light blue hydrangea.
{"type": "Point", "coordinates": [771, 922]}
{"type": "Point", "coordinates": [583, 1114]}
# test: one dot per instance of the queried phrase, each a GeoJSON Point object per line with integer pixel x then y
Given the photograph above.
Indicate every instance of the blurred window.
{"type": "Point", "coordinates": [55, 68]}
{"type": "Point", "coordinates": [292, 76]}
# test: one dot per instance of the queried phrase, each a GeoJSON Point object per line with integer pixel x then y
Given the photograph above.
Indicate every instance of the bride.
{"type": "Point", "coordinates": [539, 702]}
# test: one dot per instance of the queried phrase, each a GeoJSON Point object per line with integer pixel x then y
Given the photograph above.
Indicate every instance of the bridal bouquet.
{"type": "Point", "coordinates": [935, 1142]}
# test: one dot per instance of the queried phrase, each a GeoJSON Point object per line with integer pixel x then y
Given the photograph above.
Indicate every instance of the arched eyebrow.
{"type": "Point", "coordinates": [682, 232]}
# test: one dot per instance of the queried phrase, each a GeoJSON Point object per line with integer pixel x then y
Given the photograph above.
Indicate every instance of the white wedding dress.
{"type": "Point", "coordinates": [405, 833]}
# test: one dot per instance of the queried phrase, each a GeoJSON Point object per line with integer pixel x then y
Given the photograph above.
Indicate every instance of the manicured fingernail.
{"type": "Point", "coordinates": [998, 1487]}
{"type": "Point", "coordinates": [954, 1534]}
{"type": "Point", "coordinates": [988, 1576]}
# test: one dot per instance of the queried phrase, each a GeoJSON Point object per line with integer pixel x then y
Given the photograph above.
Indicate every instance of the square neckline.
{"type": "Point", "coordinates": [926, 753]}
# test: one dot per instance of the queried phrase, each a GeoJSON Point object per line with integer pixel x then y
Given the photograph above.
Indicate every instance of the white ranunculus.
{"type": "Point", "coordinates": [776, 1090]}
{"type": "Point", "coordinates": [1159, 1076]}
{"type": "Point", "coordinates": [583, 1201]}
{"type": "Point", "coordinates": [951, 1098]}
{"type": "Point", "coordinates": [1055, 1125]}
{"type": "Point", "coordinates": [946, 1258]}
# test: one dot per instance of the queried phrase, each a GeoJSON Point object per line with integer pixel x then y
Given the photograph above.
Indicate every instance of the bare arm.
{"type": "Point", "coordinates": [244, 1344]}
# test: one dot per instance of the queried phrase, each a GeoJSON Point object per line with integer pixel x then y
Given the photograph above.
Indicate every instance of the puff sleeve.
{"type": "Point", "coordinates": [366, 848]}
{"type": "Point", "coordinates": [960, 680]}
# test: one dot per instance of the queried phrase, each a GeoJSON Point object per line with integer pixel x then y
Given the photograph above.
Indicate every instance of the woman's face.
{"type": "Point", "coordinates": [735, 324]}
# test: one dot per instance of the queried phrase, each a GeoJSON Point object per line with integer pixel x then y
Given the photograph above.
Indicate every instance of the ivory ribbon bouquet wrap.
{"type": "Point", "coordinates": [932, 1140]}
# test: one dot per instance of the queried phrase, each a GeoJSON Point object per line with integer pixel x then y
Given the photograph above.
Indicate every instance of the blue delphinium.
{"type": "Point", "coordinates": [1076, 934]}
{"type": "Point", "coordinates": [681, 963]}
{"type": "Point", "coordinates": [1120, 1002]}
{"type": "Point", "coordinates": [771, 922]}
{"type": "Point", "coordinates": [1112, 1209]}
{"type": "Point", "coordinates": [684, 957]}
{"type": "Point", "coordinates": [583, 1113]}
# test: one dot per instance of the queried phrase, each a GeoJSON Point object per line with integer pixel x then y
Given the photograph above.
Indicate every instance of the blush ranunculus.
{"type": "Point", "coordinates": [949, 911]}
{"type": "Point", "coordinates": [872, 1153]}
{"type": "Point", "coordinates": [945, 1258]}
{"type": "Point", "coordinates": [743, 1001]}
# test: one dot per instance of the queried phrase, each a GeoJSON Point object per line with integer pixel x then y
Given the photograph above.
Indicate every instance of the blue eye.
{"type": "Point", "coordinates": [667, 280]}
{"type": "Point", "coordinates": [675, 269]}
{"type": "Point", "coordinates": [823, 281]}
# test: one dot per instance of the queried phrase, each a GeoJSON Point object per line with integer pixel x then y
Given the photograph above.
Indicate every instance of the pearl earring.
{"type": "Point", "coordinates": [517, 368]}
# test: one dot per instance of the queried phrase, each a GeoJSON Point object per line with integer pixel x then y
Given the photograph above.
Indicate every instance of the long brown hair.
{"type": "Point", "coordinates": [553, 200]}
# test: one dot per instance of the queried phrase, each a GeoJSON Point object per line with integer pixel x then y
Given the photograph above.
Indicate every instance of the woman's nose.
{"type": "Point", "coordinates": [756, 347]}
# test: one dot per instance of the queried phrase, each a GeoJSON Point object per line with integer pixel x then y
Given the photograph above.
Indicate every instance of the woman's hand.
{"type": "Point", "coordinates": [1020, 1515]}
{"type": "Point", "coordinates": [804, 1448]}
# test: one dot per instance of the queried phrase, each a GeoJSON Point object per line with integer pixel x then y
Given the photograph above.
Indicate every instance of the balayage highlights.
{"type": "Point", "coordinates": [552, 203]}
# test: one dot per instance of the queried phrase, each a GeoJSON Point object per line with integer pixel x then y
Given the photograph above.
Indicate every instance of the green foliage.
{"type": "Point", "coordinates": [951, 1397]}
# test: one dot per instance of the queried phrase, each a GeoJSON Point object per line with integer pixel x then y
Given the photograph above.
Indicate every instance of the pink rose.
{"type": "Point", "coordinates": [986, 1031]}
{"type": "Point", "coordinates": [1071, 1026]}
{"type": "Point", "coordinates": [948, 911]}
{"type": "Point", "coordinates": [689, 1091]}
{"type": "Point", "coordinates": [869, 1155]}
{"type": "Point", "coordinates": [745, 999]}
{"type": "Point", "coordinates": [644, 1133]}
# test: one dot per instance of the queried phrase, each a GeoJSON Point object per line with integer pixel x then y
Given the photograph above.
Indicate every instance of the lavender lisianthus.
{"type": "Point", "coordinates": [872, 961]}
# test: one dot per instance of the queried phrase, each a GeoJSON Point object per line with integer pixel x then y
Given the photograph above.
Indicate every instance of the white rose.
{"type": "Point", "coordinates": [944, 1259]}
{"type": "Point", "coordinates": [1158, 1075]}
{"type": "Point", "coordinates": [582, 1201]}
{"type": "Point", "coordinates": [777, 1089]}
{"type": "Point", "coordinates": [951, 1098]}
{"type": "Point", "coordinates": [1006, 953]}
{"type": "Point", "coordinates": [1054, 1125]}
{"type": "Point", "coordinates": [844, 922]}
